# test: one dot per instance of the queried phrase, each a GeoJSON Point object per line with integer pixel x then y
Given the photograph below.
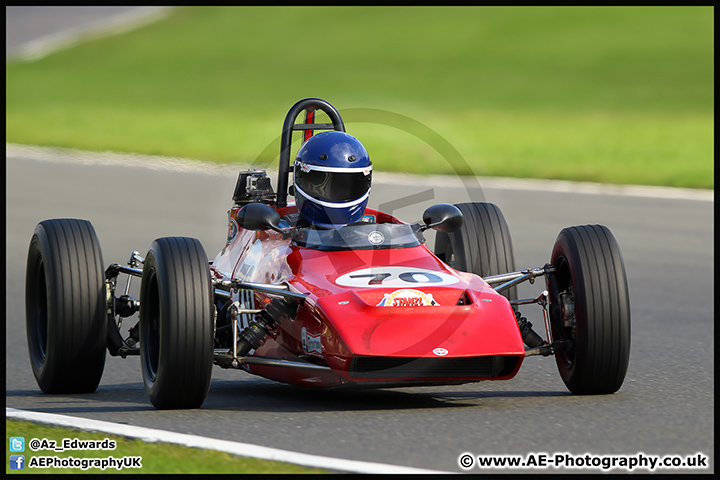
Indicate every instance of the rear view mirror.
{"type": "Point", "coordinates": [258, 216]}
{"type": "Point", "coordinates": [443, 217]}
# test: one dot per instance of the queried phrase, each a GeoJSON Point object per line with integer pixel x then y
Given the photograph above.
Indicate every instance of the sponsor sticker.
{"type": "Point", "coordinates": [304, 167]}
{"type": "Point", "coordinates": [232, 230]}
{"type": "Point", "coordinates": [311, 343]}
{"type": "Point", "coordinates": [407, 297]}
{"type": "Point", "coordinates": [376, 238]}
{"type": "Point", "coordinates": [441, 352]}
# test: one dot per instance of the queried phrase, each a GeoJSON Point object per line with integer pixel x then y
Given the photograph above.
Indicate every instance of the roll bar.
{"type": "Point", "coordinates": [309, 105]}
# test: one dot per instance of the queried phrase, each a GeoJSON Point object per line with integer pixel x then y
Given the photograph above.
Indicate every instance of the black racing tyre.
{"type": "Point", "coordinates": [591, 283]}
{"type": "Point", "coordinates": [176, 323]}
{"type": "Point", "coordinates": [65, 306]}
{"type": "Point", "coordinates": [482, 246]}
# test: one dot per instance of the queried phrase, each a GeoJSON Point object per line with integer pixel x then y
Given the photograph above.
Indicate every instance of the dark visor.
{"type": "Point", "coordinates": [332, 186]}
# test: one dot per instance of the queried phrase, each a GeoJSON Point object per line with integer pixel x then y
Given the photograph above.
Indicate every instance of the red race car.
{"type": "Point", "coordinates": [326, 292]}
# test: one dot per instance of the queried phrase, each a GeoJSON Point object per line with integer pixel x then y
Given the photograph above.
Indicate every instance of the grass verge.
{"type": "Point", "coordinates": [156, 457]}
{"type": "Point", "coordinates": [605, 94]}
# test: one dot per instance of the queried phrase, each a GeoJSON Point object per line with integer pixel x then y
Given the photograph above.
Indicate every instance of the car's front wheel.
{"type": "Point", "coordinates": [590, 305]}
{"type": "Point", "coordinates": [176, 323]}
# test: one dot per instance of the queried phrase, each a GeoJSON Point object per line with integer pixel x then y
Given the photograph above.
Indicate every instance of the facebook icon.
{"type": "Point", "coordinates": [17, 462]}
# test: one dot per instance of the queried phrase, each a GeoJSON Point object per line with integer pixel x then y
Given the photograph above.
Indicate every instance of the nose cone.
{"type": "Point", "coordinates": [419, 324]}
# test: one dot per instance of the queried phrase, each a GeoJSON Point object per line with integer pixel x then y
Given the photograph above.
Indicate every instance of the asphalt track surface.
{"type": "Point", "coordinates": [665, 407]}
{"type": "Point", "coordinates": [32, 32]}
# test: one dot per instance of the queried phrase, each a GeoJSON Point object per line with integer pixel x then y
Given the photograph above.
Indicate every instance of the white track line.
{"type": "Point", "coordinates": [68, 155]}
{"type": "Point", "coordinates": [114, 25]}
{"type": "Point", "coordinates": [195, 441]}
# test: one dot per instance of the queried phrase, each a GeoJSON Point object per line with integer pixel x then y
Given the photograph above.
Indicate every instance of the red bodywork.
{"type": "Point", "coordinates": [412, 320]}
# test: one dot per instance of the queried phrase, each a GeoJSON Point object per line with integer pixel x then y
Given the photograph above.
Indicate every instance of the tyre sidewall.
{"type": "Point", "coordinates": [41, 352]}
{"type": "Point", "coordinates": [150, 285]}
{"type": "Point", "coordinates": [565, 250]}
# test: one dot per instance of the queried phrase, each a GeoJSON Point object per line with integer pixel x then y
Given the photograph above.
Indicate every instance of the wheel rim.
{"type": "Point", "coordinates": [567, 357]}
{"type": "Point", "coordinates": [450, 256]}
{"type": "Point", "coordinates": [150, 334]}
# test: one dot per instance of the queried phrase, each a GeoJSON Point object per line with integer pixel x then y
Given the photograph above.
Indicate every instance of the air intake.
{"type": "Point", "coordinates": [402, 367]}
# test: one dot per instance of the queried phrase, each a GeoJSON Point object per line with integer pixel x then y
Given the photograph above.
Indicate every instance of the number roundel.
{"type": "Point", "coordinates": [394, 277]}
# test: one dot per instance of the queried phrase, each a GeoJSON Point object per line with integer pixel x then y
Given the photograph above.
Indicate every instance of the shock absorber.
{"type": "Point", "coordinates": [264, 325]}
{"type": "Point", "coordinates": [254, 335]}
{"type": "Point", "coordinates": [530, 338]}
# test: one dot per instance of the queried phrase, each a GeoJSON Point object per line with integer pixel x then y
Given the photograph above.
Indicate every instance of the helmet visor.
{"type": "Point", "coordinates": [334, 187]}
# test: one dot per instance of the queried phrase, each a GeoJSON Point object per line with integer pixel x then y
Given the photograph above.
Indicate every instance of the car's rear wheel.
{"type": "Point", "coordinates": [65, 306]}
{"type": "Point", "coordinates": [590, 304]}
{"type": "Point", "coordinates": [176, 323]}
{"type": "Point", "coordinates": [482, 246]}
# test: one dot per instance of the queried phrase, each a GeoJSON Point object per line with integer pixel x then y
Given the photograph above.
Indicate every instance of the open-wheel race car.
{"type": "Point", "coordinates": [325, 292]}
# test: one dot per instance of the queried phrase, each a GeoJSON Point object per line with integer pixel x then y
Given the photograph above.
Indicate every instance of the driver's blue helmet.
{"type": "Point", "coordinates": [333, 173]}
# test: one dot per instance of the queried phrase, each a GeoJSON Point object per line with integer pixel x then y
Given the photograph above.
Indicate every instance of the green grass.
{"type": "Point", "coordinates": [156, 457]}
{"type": "Point", "coordinates": [606, 94]}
